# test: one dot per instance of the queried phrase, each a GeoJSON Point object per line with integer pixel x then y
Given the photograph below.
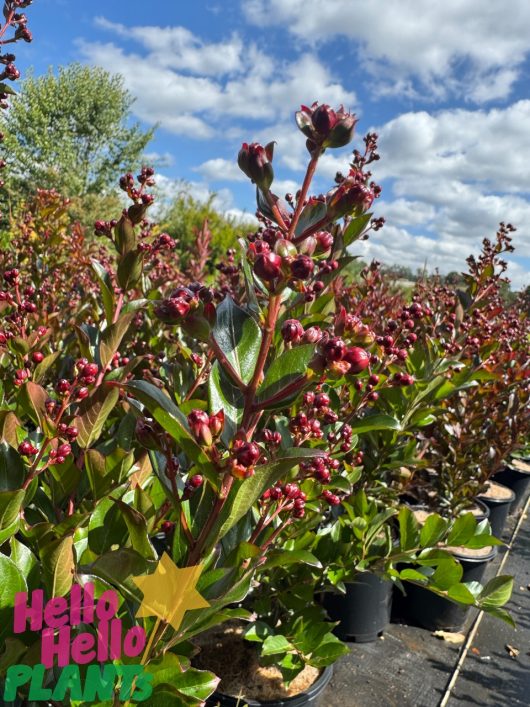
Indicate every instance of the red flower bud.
{"type": "Point", "coordinates": [199, 422]}
{"type": "Point", "coordinates": [90, 369]}
{"type": "Point", "coordinates": [285, 248]}
{"type": "Point", "coordinates": [331, 498]}
{"type": "Point", "coordinates": [246, 453]}
{"type": "Point", "coordinates": [334, 349]}
{"type": "Point", "coordinates": [302, 267]}
{"type": "Point", "coordinates": [26, 449]}
{"type": "Point", "coordinates": [63, 386]}
{"type": "Point", "coordinates": [268, 266]}
{"type": "Point", "coordinates": [358, 358]}
{"type": "Point", "coordinates": [255, 161]}
{"type": "Point", "coordinates": [324, 241]}
{"type": "Point", "coordinates": [312, 335]}
{"type": "Point", "coordinates": [292, 331]}
{"type": "Point", "coordinates": [37, 357]}
{"type": "Point", "coordinates": [217, 423]}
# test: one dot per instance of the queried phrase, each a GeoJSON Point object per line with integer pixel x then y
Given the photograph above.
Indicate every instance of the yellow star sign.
{"type": "Point", "coordinates": [170, 591]}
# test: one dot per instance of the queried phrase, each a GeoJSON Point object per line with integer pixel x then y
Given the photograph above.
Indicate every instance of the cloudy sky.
{"type": "Point", "coordinates": [446, 86]}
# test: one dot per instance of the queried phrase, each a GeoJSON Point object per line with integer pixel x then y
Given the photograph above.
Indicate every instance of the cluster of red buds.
{"type": "Point", "coordinates": [352, 196]}
{"type": "Point", "coordinates": [288, 497]}
{"type": "Point", "coordinates": [205, 428]}
{"type": "Point", "coordinates": [192, 307]}
{"type": "Point", "coordinates": [325, 127]}
{"type": "Point", "coordinates": [145, 179]}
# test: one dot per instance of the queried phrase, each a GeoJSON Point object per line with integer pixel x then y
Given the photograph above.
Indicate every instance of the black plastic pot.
{"type": "Point", "coordinates": [308, 697]}
{"type": "Point", "coordinates": [499, 509]}
{"type": "Point", "coordinates": [436, 613]}
{"type": "Point", "coordinates": [364, 611]}
{"type": "Point", "coordinates": [516, 480]}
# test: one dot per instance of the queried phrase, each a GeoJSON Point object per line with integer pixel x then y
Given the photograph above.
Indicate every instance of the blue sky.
{"type": "Point", "coordinates": [444, 84]}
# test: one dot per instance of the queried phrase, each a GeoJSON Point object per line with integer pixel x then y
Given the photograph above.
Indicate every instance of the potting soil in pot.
{"type": "Point", "coordinates": [225, 652]}
{"type": "Point", "coordinates": [496, 491]}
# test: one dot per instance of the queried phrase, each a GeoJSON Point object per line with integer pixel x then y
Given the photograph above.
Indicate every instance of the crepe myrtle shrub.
{"type": "Point", "coordinates": [90, 451]}
{"type": "Point", "coordinates": [486, 418]}
{"type": "Point", "coordinates": [182, 414]}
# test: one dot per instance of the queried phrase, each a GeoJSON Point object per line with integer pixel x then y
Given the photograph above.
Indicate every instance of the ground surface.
{"type": "Point", "coordinates": [411, 668]}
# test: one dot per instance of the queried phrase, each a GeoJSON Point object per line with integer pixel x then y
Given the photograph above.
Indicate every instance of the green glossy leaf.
{"type": "Point", "coordinates": [130, 269]}
{"type": "Point", "coordinates": [461, 594]}
{"type": "Point", "coordinates": [355, 228]}
{"type": "Point", "coordinates": [93, 413]}
{"type": "Point", "coordinates": [11, 503]}
{"type": "Point", "coordinates": [496, 592]}
{"type": "Point", "coordinates": [24, 559]}
{"type": "Point", "coordinates": [275, 644]}
{"type": "Point", "coordinates": [238, 336]}
{"type": "Point", "coordinates": [312, 213]}
{"type": "Point", "coordinates": [283, 558]}
{"type": "Point", "coordinates": [167, 414]}
{"type": "Point", "coordinates": [375, 422]}
{"type": "Point", "coordinates": [112, 337]}
{"type": "Point", "coordinates": [409, 532]}
{"type": "Point", "coordinates": [11, 583]}
{"type": "Point", "coordinates": [9, 531]}
{"type": "Point", "coordinates": [44, 366]}
{"type": "Point", "coordinates": [258, 632]}
{"type": "Point", "coordinates": [433, 530]}
{"type": "Point", "coordinates": [12, 469]}
{"type": "Point", "coordinates": [413, 575]}
{"type": "Point", "coordinates": [117, 567]}
{"type": "Point", "coordinates": [289, 367]}
{"type": "Point", "coordinates": [224, 395]}
{"type": "Point", "coordinates": [106, 527]}
{"type": "Point", "coordinates": [58, 564]}
{"type": "Point", "coordinates": [250, 288]}
{"type": "Point", "coordinates": [106, 288]}
{"type": "Point", "coordinates": [32, 398]}
{"type": "Point", "coordinates": [447, 573]}
{"type": "Point", "coordinates": [193, 683]}
{"type": "Point", "coordinates": [481, 540]}
{"type": "Point", "coordinates": [137, 526]}
{"type": "Point", "coordinates": [463, 529]}
{"type": "Point", "coordinates": [502, 614]}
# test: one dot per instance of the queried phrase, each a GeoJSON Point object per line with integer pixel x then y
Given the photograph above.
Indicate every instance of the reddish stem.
{"type": "Point", "coordinates": [310, 172]}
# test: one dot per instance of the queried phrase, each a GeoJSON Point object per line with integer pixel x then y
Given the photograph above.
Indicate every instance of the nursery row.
{"type": "Point", "coordinates": [207, 471]}
{"type": "Point", "coordinates": [276, 429]}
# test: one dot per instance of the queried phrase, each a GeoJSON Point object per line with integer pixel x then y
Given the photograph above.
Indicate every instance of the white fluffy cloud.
{"type": "Point", "coordinates": [474, 48]}
{"type": "Point", "coordinates": [449, 176]}
{"type": "Point", "coordinates": [177, 82]}
{"type": "Point", "coordinates": [178, 48]}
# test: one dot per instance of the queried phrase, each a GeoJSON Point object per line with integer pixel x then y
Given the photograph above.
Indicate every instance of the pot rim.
{"type": "Point", "coordinates": [313, 690]}
{"type": "Point", "coordinates": [461, 555]}
{"type": "Point", "coordinates": [498, 501]}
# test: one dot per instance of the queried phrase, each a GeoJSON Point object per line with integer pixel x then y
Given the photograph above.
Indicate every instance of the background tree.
{"type": "Point", "coordinates": [71, 131]}
{"type": "Point", "coordinates": [183, 215]}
